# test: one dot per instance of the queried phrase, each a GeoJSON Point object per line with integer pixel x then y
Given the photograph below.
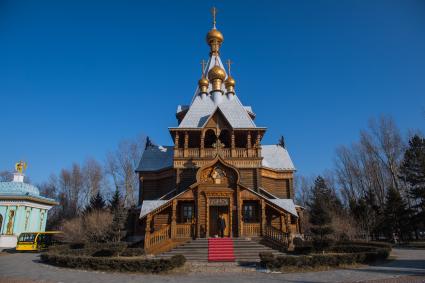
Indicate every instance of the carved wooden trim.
{"type": "Point", "coordinates": [276, 174]}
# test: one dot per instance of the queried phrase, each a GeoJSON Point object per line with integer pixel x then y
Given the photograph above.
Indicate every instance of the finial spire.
{"type": "Point", "coordinates": [203, 67]}
{"type": "Point", "coordinates": [229, 63]}
{"type": "Point", "coordinates": [214, 37]}
{"type": "Point", "coordinates": [203, 83]}
{"type": "Point", "coordinates": [214, 14]}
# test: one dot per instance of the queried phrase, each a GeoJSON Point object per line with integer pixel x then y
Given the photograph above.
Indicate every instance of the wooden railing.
{"type": "Point", "coordinates": [251, 229]}
{"type": "Point", "coordinates": [179, 152]}
{"type": "Point", "coordinates": [183, 230]}
{"type": "Point", "coordinates": [211, 152]}
{"type": "Point", "coordinates": [241, 152]}
{"type": "Point", "coordinates": [225, 152]}
{"type": "Point", "coordinates": [276, 235]}
{"type": "Point", "coordinates": [157, 237]}
{"type": "Point", "coordinates": [193, 152]}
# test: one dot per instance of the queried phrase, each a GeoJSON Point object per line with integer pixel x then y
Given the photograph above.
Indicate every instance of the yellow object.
{"type": "Point", "coordinates": [21, 166]}
{"type": "Point", "coordinates": [36, 241]}
{"type": "Point", "coordinates": [214, 37]}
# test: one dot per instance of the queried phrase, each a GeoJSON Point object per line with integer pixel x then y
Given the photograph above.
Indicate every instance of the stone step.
{"type": "Point", "coordinates": [245, 250]}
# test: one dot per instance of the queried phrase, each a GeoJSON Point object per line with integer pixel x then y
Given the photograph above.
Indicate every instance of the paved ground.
{"type": "Point", "coordinates": [408, 266]}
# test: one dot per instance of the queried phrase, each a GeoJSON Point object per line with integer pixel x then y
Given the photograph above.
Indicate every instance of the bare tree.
{"type": "Point", "coordinates": [303, 187]}
{"type": "Point", "coordinates": [121, 166]}
{"type": "Point", "coordinates": [93, 175]}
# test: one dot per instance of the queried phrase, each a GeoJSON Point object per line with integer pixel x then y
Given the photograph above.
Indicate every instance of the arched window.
{"type": "Point", "coordinates": [225, 138]}
{"type": "Point", "coordinates": [210, 138]}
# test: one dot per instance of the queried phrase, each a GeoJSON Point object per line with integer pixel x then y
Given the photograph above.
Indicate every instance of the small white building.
{"type": "Point", "coordinates": [22, 209]}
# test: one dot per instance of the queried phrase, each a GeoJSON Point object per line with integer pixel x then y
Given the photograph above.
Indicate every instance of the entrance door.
{"type": "Point", "coordinates": [215, 212]}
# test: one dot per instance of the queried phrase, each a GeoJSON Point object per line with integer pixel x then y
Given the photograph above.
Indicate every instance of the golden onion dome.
{"type": "Point", "coordinates": [203, 82]}
{"type": "Point", "coordinates": [215, 35]}
{"type": "Point", "coordinates": [216, 73]}
{"type": "Point", "coordinates": [229, 82]}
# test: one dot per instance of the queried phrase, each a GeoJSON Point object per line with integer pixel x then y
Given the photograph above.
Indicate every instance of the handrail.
{"type": "Point", "coordinates": [183, 230]}
{"type": "Point", "coordinates": [158, 236]}
{"type": "Point", "coordinates": [276, 235]}
{"type": "Point", "coordinates": [251, 229]}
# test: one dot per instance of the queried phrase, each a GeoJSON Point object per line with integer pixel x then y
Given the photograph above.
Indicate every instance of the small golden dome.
{"type": "Point", "coordinates": [216, 73]}
{"type": "Point", "coordinates": [203, 82]}
{"type": "Point", "coordinates": [215, 35]}
{"type": "Point", "coordinates": [229, 82]}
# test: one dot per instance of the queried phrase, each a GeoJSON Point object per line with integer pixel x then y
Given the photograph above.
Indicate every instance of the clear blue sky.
{"type": "Point", "coordinates": [78, 76]}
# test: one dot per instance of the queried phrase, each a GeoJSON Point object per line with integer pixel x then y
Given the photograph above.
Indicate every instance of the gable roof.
{"type": "Point", "coordinates": [155, 158]}
{"type": "Point", "coordinates": [203, 106]}
{"type": "Point", "coordinates": [276, 157]}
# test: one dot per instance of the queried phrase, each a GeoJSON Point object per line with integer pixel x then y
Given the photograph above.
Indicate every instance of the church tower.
{"type": "Point", "coordinates": [216, 166]}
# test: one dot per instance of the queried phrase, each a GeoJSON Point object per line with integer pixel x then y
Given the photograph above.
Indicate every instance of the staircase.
{"type": "Point", "coordinates": [220, 249]}
{"type": "Point", "coordinates": [244, 250]}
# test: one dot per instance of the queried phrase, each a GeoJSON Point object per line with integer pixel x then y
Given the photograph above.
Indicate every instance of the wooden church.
{"type": "Point", "coordinates": [217, 167]}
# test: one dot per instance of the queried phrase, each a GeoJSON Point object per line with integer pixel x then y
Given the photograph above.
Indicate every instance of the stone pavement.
{"type": "Point", "coordinates": [408, 266]}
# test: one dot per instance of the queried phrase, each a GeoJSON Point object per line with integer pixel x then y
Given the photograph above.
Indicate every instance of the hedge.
{"type": "Point", "coordinates": [97, 250]}
{"type": "Point", "coordinates": [338, 255]}
{"type": "Point", "coordinates": [114, 263]}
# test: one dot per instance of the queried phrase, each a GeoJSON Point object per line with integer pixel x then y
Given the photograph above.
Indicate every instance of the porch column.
{"type": "Point", "coordinates": [240, 212]}
{"type": "Point", "coordinates": [257, 143]}
{"type": "Point", "coordinates": [282, 223]}
{"type": "Point", "coordinates": [186, 144]}
{"type": "Point", "coordinates": [263, 217]}
{"type": "Point", "coordinates": [202, 153]}
{"type": "Point", "coordinates": [173, 219]}
{"type": "Point", "coordinates": [207, 217]}
{"type": "Point", "coordinates": [233, 145]}
{"type": "Point", "coordinates": [248, 144]}
{"type": "Point", "coordinates": [148, 231]}
{"type": "Point", "coordinates": [176, 143]}
{"type": "Point", "coordinates": [231, 217]}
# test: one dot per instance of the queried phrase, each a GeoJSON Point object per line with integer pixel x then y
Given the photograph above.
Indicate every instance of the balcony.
{"type": "Point", "coordinates": [212, 152]}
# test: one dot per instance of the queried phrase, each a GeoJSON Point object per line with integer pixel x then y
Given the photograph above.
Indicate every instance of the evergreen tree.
{"type": "Point", "coordinates": [119, 217]}
{"type": "Point", "coordinates": [320, 216]}
{"type": "Point", "coordinates": [396, 216]}
{"type": "Point", "coordinates": [115, 202]}
{"type": "Point", "coordinates": [412, 171]}
{"type": "Point", "coordinates": [96, 203]}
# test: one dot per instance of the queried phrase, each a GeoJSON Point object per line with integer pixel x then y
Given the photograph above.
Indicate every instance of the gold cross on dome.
{"type": "Point", "coordinates": [203, 66]}
{"type": "Point", "coordinates": [229, 63]}
{"type": "Point", "coordinates": [213, 13]}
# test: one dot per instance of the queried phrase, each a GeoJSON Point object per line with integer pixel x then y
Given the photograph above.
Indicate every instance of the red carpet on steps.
{"type": "Point", "coordinates": [220, 249]}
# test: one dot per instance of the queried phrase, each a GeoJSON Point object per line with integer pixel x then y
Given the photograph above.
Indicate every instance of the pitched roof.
{"type": "Point", "coordinates": [276, 157]}
{"type": "Point", "coordinates": [285, 204]}
{"type": "Point", "coordinates": [155, 158]}
{"type": "Point", "coordinates": [150, 205]}
{"type": "Point", "coordinates": [160, 157]}
{"type": "Point", "coordinates": [203, 106]}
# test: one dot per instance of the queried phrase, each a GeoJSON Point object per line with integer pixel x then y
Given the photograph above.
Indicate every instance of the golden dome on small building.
{"type": "Point", "coordinates": [214, 35]}
{"type": "Point", "coordinates": [229, 82]}
{"type": "Point", "coordinates": [216, 73]}
{"type": "Point", "coordinates": [203, 84]}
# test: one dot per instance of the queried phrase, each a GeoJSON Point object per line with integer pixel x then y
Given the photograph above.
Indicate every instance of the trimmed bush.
{"type": "Point", "coordinates": [340, 255]}
{"type": "Point", "coordinates": [114, 263]}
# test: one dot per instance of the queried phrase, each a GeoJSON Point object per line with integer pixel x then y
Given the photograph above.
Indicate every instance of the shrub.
{"type": "Point", "coordinates": [116, 264]}
{"type": "Point", "coordinates": [91, 227]}
{"type": "Point", "coordinates": [128, 252]}
{"type": "Point", "coordinates": [177, 260]}
{"type": "Point", "coordinates": [348, 254]}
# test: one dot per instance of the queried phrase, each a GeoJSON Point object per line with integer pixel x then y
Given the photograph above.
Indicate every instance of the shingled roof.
{"type": "Point", "coordinates": [155, 158]}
